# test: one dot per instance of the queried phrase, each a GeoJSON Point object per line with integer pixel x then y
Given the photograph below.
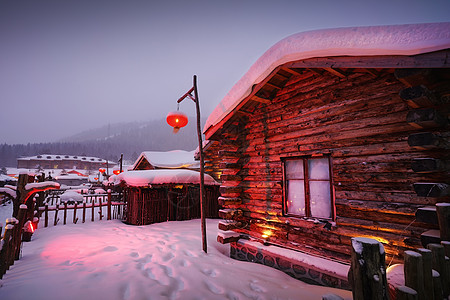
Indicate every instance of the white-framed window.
{"type": "Point", "coordinates": [307, 188]}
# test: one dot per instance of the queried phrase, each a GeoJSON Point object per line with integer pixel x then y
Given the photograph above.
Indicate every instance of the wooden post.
{"type": "Point", "coordinates": [75, 219]}
{"type": "Point", "coordinates": [18, 230]}
{"type": "Point", "coordinates": [65, 213]}
{"type": "Point", "coordinates": [109, 205]}
{"type": "Point", "coordinates": [443, 213]}
{"type": "Point", "coordinates": [92, 212]}
{"type": "Point", "coordinates": [413, 269]}
{"type": "Point", "coordinates": [56, 215]}
{"type": "Point", "coordinates": [438, 261]}
{"type": "Point", "coordinates": [368, 270]}
{"type": "Point", "coordinates": [100, 209]}
{"type": "Point", "coordinates": [406, 293]}
{"type": "Point", "coordinates": [84, 211]}
{"type": "Point", "coordinates": [5, 250]}
{"type": "Point", "coordinates": [446, 245]}
{"type": "Point", "coordinates": [437, 286]}
{"type": "Point", "coordinates": [427, 273]}
{"type": "Point", "coordinates": [46, 215]}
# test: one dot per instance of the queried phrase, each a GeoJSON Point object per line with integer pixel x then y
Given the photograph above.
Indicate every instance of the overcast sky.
{"type": "Point", "coordinates": [70, 65]}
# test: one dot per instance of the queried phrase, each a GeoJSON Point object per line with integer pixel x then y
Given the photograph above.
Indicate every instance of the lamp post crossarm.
{"type": "Point", "coordinates": [188, 94]}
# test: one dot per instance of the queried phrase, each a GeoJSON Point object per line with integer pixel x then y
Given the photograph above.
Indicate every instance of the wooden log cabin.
{"type": "Point", "coordinates": [330, 135]}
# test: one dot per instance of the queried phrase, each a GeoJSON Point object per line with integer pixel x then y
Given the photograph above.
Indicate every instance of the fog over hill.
{"type": "Point", "coordinates": [110, 141]}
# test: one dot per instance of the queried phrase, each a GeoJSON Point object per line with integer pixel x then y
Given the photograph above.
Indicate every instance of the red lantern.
{"type": "Point", "coordinates": [101, 170]}
{"type": "Point", "coordinates": [176, 119]}
{"type": "Point", "coordinates": [116, 172]}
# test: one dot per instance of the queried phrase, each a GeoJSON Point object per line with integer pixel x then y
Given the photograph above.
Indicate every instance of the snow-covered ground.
{"type": "Point", "coordinates": [112, 260]}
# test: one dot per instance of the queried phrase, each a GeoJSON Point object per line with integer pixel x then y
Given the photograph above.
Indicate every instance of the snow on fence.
{"type": "Point", "coordinates": [94, 207]}
{"type": "Point", "coordinates": [424, 274]}
{"type": "Point", "coordinates": [11, 241]}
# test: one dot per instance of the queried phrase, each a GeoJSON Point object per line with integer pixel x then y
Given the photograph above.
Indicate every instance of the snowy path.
{"type": "Point", "coordinates": [112, 260]}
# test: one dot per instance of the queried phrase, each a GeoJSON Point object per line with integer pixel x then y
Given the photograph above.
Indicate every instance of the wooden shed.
{"type": "Point", "coordinates": [154, 196]}
{"type": "Point", "coordinates": [334, 134]}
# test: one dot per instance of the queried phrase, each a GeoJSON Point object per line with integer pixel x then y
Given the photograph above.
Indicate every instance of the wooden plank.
{"type": "Point", "coordinates": [426, 118]}
{"type": "Point", "coordinates": [260, 99]}
{"type": "Point", "coordinates": [438, 59]}
{"type": "Point", "coordinates": [336, 72]}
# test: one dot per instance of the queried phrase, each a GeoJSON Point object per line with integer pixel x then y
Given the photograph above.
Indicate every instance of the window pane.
{"type": "Point", "coordinates": [294, 169]}
{"type": "Point", "coordinates": [296, 197]}
{"type": "Point", "coordinates": [318, 168]}
{"type": "Point", "coordinates": [320, 199]}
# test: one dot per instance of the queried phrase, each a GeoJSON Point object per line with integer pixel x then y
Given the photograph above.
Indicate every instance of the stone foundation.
{"type": "Point", "coordinates": [310, 269]}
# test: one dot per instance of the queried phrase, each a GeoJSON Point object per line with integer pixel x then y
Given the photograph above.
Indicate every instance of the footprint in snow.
{"type": "Point", "coordinates": [189, 253]}
{"type": "Point", "coordinates": [168, 257]}
{"type": "Point", "coordinates": [214, 288]}
{"type": "Point", "coordinates": [209, 272]}
{"type": "Point", "coordinates": [110, 249]}
{"type": "Point", "coordinates": [134, 254]}
{"type": "Point", "coordinates": [256, 287]}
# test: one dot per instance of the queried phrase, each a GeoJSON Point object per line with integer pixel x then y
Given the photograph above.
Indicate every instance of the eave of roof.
{"type": "Point", "coordinates": [373, 41]}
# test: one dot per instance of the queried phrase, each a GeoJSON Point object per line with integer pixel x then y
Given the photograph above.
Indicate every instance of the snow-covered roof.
{"type": "Point", "coordinates": [141, 178]}
{"type": "Point", "coordinates": [55, 157]}
{"type": "Point", "coordinates": [174, 159]}
{"type": "Point", "coordinates": [4, 177]}
{"type": "Point", "coordinates": [409, 39]}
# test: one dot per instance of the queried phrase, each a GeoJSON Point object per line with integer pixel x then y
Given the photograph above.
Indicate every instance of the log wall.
{"type": "Point", "coordinates": [362, 123]}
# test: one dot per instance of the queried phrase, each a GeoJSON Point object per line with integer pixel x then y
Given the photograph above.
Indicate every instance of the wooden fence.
{"type": "Point", "coordinates": [111, 202]}
{"type": "Point", "coordinates": [426, 272]}
{"type": "Point", "coordinates": [15, 232]}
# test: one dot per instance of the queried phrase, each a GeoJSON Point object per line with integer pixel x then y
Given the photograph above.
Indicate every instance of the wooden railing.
{"type": "Point", "coordinates": [93, 207]}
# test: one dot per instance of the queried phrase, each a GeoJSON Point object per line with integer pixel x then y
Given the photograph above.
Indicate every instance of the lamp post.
{"type": "Point", "coordinates": [200, 147]}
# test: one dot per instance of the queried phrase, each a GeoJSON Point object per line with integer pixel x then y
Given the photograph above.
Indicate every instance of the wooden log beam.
{"type": "Point", "coordinates": [336, 72]}
{"type": "Point", "coordinates": [230, 214]}
{"type": "Point", "coordinates": [426, 189]}
{"type": "Point", "coordinates": [225, 201]}
{"type": "Point", "coordinates": [429, 165]}
{"type": "Point", "coordinates": [260, 99]}
{"type": "Point", "coordinates": [418, 96]}
{"type": "Point", "coordinates": [427, 140]}
{"type": "Point", "coordinates": [427, 214]}
{"type": "Point", "coordinates": [225, 237]}
{"type": "Point", "coordinates": [426, 118]}
{"type": "Point", "coordinates": [438, 59]}
{"type": "Point", "coordinates": [414, 76]}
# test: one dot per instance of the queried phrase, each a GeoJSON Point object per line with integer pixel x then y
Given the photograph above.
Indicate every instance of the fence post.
{"type": "Point", "coordinates": [56, 215]}
{"type": "Point", "coordinates": [100, 212]}
{"type": "Point", "coordinates": [109, 205]}
{"type": "Point", "coordinates": [92, 212]}
{"type": "Point", "coordinates": [438, 262]}
{"type": "Point", "coordinates": [6, 249]}
{"type": "Point", "coordinates": [367, 274]}
{"type": "Point", "coordinates": [414, 277]}
{"type": "Point", "coordinates": [18, 230]}
{"type": "Point", "coordinates": [437, 286]}
{"type": "Point", "coordinates": [75, 219]}
{"type": "Point", "coordinates": [406, 293]}
{"type": "Point", "coordinates": [84, 211]}
{"type": "Point", "coordinates": [46, 215]}
{"type": "Point", "coordinates": [427, 273]}
{"type": "Point", "coordinates": [443, 213]}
